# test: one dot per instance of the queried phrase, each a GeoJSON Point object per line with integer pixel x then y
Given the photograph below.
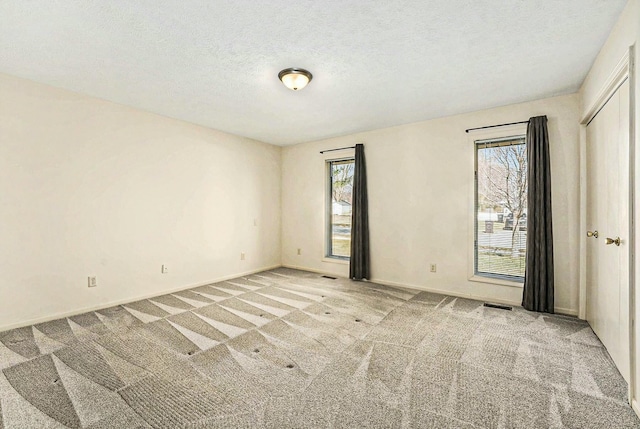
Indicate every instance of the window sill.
{"type": "Point", "coordinates": [335, 260]}
{"type": "Point", "coordinates": [493, 281]}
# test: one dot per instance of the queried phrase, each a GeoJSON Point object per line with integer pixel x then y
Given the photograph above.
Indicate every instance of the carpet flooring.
{"type": "Point", "coordinates": [291, 349]}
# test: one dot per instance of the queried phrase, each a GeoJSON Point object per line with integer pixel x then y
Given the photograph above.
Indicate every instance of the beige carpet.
{"type": "Point", "coordinates": [290, 349]}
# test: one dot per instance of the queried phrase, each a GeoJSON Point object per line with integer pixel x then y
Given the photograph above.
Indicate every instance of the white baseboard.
{"type": "Point", "coordinates": [566, 311]}
{"type": "Point", "coordinates": [55, 316]}
{"type": "Point", "coordinates": [559, 310]}
{"type": "Point", "coordinates": [636, 407]}
{"type": "Point", "coordinates": [446, 292]}
{"type": "Point", "coordinates": [127, 300]}
{"type": "Point", "coordinates": [311, 270]}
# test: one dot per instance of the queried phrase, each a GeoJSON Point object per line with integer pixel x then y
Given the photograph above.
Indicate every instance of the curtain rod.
{"type": "Point", "coordinates": [493, 126]}
{"type": "Point", "coordinates": [340, 148]}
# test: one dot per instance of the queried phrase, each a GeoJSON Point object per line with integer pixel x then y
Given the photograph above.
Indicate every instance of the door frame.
{"type": "Point", "coordinates": [625, 69]}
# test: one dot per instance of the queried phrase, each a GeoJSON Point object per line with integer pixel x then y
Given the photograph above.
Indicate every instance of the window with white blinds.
{"type": "Point", "coordinates": [339, 199]}
{"type": "Point", "coordinates": [501, 208]}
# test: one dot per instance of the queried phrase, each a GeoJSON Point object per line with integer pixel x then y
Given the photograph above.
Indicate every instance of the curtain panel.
{"type": "Point", "coordinates": [359, 263]}
{"type": "Point", "coordinates": [538, 293]}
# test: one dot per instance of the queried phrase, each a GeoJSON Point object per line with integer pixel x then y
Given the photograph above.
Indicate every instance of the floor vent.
{"type": "Point", "coordinates": [498, 306]}
{"type": "Point", "coordinates": [329, 277]}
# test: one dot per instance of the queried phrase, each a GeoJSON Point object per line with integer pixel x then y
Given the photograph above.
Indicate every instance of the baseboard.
{"type": "Point", "coordinates": [415, 287]}
{"type": "Point", "coordinates": [128, 300]}
{"type": "Point", "coordinates": [311, 270]}
{"type": "Point", "coordinates": [636, 407]}
{"type": "Point", "coordinates": [559, 310]}
{"type": "Point", "coordinates": [446, 292]}
{"type": "Point", "coordinates": [566, 311]}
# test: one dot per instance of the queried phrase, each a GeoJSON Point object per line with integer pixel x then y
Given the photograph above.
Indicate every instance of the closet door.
{"type": "Point", "coordinates": [608, 214]}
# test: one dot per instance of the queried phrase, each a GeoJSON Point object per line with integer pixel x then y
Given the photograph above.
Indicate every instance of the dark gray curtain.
{"type": "Point", "coordinates": [538, 281]}
{"type": "Point", "coordinates": [359, 262]}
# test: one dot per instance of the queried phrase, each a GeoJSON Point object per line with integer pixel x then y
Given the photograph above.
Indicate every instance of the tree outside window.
{"type": "Point", "coordinates": [501, 207]}
{"type": "Point", "coordinates": [339, 207]}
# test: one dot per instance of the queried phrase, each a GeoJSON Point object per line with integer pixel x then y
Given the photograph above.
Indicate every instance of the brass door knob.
{"type": "Point", "coordinates": [593, 234]}
{"type": "Point", "coordinates": [615, 241]}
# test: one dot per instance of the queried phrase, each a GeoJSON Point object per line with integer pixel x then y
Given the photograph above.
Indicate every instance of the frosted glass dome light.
{"type": "Point", "coordinates": [295, 79]}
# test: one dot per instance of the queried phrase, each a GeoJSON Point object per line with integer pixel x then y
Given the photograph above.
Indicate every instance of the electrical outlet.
{"type": "Point", "coordinates": [434, 268]}
{"type": "Point", "coordinates": [242, 256]}
{"type": "Point", "coordinates": [93, 281]}
{"type": "Point", "coordinates": [165, 269]}
{"type": "Point", "coordinates": [299, 251]}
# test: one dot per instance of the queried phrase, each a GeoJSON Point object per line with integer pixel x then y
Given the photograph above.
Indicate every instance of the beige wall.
{"type": "Point", "coordinates": [420, 200]}
{"type": "Point", "coordinates": [623, 35]}
{"type": "Point", "coordinates": [89, 187]}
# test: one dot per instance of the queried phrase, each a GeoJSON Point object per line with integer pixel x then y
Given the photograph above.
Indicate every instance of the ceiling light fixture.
{"type": "Point", "coordinates": [294, 78]}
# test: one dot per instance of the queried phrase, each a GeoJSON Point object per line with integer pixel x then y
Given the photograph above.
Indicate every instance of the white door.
{"type": "Point", "coordinates": [608, 214]}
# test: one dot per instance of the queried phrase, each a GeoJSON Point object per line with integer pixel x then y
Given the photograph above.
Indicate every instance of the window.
{"type": "Point", "coordinates": [501, 208]}
{"type": "Point", "coordinates": [340, 189]}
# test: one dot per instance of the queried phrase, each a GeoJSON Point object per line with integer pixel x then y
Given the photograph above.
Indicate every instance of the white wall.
{"type": "Point", "coordinates": [89, 187]}
{"type": "Point", "coordinates": [420, 201]}
{"type": "Point", "coordinates": [625, 33]}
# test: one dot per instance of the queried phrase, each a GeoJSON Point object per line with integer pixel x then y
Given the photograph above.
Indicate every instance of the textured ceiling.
{"type": "Point", "coordinates": [375, 63]}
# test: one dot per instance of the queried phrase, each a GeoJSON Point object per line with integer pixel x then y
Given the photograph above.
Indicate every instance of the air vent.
{"type": "Point", "coordinates": [329, 277]}
{"type": "Point", "coordinates": [498, 306]}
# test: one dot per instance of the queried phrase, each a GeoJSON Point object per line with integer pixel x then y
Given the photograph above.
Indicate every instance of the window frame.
{"type": "Point", "coordinates": [498, 133]}
{"type": "Point", "coordinates": [328, 224]}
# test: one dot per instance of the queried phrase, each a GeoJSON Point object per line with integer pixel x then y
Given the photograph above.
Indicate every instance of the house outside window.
{"type": "Point", "coordinates": [500, 215]}
{"type": "Point", "coordinates": [339, 200]}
